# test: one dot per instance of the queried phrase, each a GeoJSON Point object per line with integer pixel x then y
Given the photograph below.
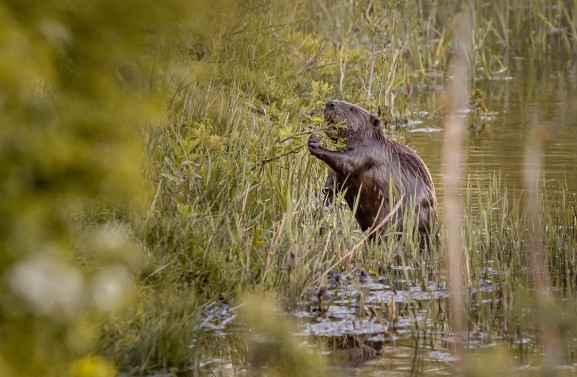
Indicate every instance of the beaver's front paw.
{"type": "Point", "coordinates": [314, 142]}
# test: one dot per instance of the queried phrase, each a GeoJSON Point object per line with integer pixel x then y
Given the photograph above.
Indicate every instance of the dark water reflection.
{"type": "Point", "coordinates": [532, 94]}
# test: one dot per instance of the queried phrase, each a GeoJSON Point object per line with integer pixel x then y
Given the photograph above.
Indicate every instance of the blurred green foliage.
{"type": "Point", "coordinates": [273, 350]}
{"type": "Point", "coordinates": [78, 82]}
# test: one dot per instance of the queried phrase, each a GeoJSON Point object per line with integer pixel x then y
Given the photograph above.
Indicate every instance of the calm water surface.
{"type": "Point", "coordinates": [530, 94]}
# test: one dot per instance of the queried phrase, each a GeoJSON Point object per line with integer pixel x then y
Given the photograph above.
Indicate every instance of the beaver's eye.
{"type": "Point", "coordinates": [353, 109]}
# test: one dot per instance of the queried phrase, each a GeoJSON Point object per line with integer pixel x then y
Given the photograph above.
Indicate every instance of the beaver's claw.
{"type": "Point", "coordinates": [314, 142]}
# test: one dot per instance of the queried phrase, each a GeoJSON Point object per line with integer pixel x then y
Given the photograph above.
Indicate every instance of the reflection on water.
{"type": "Point", "coordinates": [537, 94]}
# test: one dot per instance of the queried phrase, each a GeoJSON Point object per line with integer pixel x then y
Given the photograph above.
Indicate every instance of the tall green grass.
{"type": "Point", "coordinates": [237, 204]}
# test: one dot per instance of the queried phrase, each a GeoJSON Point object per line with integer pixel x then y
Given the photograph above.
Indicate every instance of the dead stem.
{"type": "Point", "coordinates": [452, 159]}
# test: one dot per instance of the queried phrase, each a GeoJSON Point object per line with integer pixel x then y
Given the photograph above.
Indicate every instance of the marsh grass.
{"type": "Point", "coordinates": [237, 205]}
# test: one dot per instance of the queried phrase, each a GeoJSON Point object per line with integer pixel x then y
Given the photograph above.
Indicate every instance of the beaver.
{"type": "Point", "coordinates": [374, 171]}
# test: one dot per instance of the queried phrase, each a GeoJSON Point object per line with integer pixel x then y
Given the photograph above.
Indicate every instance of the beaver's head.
{"type": "Point", "coordinates": [355, 119]}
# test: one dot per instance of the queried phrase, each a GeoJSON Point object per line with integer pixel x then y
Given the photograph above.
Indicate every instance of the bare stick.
{"type": "Point", "coordinates": [457, 93]}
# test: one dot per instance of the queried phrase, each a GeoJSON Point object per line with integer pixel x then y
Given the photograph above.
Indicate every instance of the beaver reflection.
{"type": "Point", "coordinates": [375, 171]}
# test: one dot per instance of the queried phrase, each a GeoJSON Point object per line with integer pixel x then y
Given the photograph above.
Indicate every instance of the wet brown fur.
{"type": "Point", "coordinates": [375, 167]}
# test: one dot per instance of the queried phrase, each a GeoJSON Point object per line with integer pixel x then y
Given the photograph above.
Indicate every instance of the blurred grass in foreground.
{"type": "Point", "coordinates": [79, 80]}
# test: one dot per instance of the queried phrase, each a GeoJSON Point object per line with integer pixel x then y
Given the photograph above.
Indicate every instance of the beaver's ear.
{"type": "Point", "coordinates": [375, 121]}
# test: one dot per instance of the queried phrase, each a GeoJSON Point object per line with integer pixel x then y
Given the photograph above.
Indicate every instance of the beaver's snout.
{"type": "Point", "coordinates": [331, 111]}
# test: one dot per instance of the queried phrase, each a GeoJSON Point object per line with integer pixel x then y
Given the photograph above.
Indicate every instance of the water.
{"type": "Point", "coordinates": [536, 94]}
